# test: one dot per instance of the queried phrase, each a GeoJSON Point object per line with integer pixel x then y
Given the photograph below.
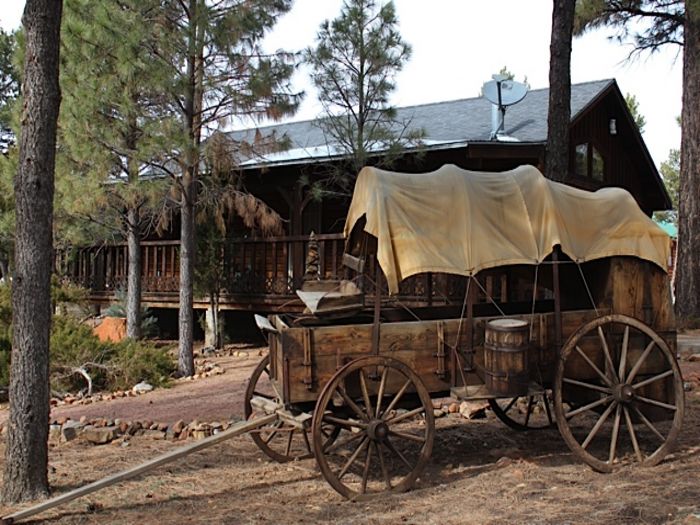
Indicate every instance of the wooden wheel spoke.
{"type": "Point", "coordinates": [365, 472]}
{"type": "Point", "coordinates": [615, 432]}
{"type": "Point", "coordinates": [590, 386]}
{"type": "Point", "coordinates": [339, 444]}
{"type": "Point", "coordinates": [547, 408]}
{"type": "Point", "coordinates": [406, 415]}
{"type": "Point", "coordinates": [391, 447]}
{"type": "Point", "coordinates": [382, 465]}
{"type": "Point", "coordinates": [353, 457]}
{"type": "Point", "coordinates": [288, 448]}
{"type": "Point", "coordinates": [601, 401]}
{"type": "Point", "coordinates": [530, 403]}
{"type": "Point", "coordinates": [656, 403]}
{"type": "Point", "coordinates": [405, 435]}
{"type": "Point", "coordinates": [652, 379]}
{"type": "Point", "coordinates": [307, 443]}
{"type": "Point", "coordinates": [640, 362]}
{"type": "Point", "coordinates": [276, 428]}
{"type": "Point", "coordinates": [397, 397]}
{"type": "Point", "coordinates": [345, 423]}
{"type": "Point", "coordinates": [633, 435]}
{"type": "Point", "coordinates": [623, 352]}
{"type": "Point", "coordinates": [358, 411]}
{"type": "Point", "coordinates": [365, 394]}
{"type": "Point", "coordinates": [380, 393]}
{"type": "Point", "coordinates": [604, 416]}
{"type": "Point", "coordinates": [648, 423]}
{"type": "Point", "coordinates": [605, 378]}
{"type": "Point", "coordinates": [606, 353]}
{"type": "Point", "coordinates": [510, 405]}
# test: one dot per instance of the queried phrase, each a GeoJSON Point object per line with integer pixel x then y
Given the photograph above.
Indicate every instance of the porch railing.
{"type": "Point", "coordinates": [257, 270]}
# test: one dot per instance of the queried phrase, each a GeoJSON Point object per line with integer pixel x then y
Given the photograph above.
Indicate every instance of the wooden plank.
{"type": "Point", "coordinates": [169, 457]}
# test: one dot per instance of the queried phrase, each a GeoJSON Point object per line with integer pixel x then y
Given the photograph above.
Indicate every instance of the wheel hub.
{"type": "Point", "coordinates": [623, 393]}
{"type": "Point", "coordinates": [377, 430]}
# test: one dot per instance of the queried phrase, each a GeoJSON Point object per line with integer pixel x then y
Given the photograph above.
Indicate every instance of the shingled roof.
{"type": "Point", "coordinates": [454, 122]}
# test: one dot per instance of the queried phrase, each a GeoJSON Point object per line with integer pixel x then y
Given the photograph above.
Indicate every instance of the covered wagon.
{"type": "Point", "coordinates": [564, 318]}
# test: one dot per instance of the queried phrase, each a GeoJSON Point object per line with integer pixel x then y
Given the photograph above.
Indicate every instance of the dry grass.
{"type": "Point", "coordinates": [480, 472]}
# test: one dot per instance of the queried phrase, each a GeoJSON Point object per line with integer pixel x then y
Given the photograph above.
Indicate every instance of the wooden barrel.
{"type": "Point", "coordinates": [505, 357]}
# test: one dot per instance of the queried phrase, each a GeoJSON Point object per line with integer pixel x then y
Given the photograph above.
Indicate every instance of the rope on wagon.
{"type": "Point", "coordinates": [588, 290]}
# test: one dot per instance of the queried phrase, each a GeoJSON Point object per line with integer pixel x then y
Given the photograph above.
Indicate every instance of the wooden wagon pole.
{"type": "Point", "coordinates": [235, 430]}
{"type": "Point", "coordinates": [557, 298]}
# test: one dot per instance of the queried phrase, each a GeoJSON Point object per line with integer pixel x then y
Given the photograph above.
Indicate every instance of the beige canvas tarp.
{"type": "Point", "coordinates": [460, 222]}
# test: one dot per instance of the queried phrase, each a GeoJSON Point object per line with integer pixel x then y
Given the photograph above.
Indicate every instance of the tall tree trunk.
{"type": "Point", "coordinates": [559, 116]}
{"type": "Point", "coordinates": [185, 319]}
{"type": "Point", "coordinates": [133, 284]}
{"type": "Point", "coordinates": [688, 261]}
{"type": "Point", "coordinates": [26, 453]}
{"type": "Point", "coordinates": [192, 117]}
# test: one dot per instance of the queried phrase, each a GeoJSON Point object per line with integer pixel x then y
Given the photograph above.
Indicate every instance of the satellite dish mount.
{"type": "Point", "coordinates": [502, 92]}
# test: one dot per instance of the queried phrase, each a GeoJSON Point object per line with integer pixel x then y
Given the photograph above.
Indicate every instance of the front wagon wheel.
{"type": "Point", "coordinates": [386, 417]}
{"type": "Point", "coordinates": [618, 393]}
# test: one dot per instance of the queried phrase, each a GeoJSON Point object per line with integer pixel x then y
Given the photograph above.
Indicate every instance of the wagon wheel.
{"type": "Point", "coordinates": [279, 440]}
{"type": "Point", "coordinates": [614, 373]}
{"type": "Point", "coordinates": [525, 412]}
{"type": "Point", "coordinates": [383, 446]}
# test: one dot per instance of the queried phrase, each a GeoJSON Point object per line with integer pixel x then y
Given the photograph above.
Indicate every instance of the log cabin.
{"type": "Point", "coordinates": [262, 273]}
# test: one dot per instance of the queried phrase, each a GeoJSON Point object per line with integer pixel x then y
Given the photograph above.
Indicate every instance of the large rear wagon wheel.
{"type": "Point", "coordinates": [618, 393]}
{"type": "Point", "coordinates": [386, 438]}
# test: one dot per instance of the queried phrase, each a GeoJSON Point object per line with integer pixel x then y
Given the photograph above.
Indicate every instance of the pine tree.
{"type": "Point", "coordinates": [112, 126]}
{"type": "Point", "coordinates": [663, 22]}
{"type": "Point", "coordinates": [26, 452]}
{"type": "Point", "coordinates": [354, 64]}
{"type": "Point", "coordinates": [220, 73]}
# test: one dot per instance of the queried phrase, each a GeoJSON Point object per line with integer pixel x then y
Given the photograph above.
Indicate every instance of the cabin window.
{"type": "Point", "coordinates": [589, 162]}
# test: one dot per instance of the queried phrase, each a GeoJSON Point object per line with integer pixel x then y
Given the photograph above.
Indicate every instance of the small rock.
{"type": "Point", "coordinates": [71, 430]}
{"type": "Point", "coordinates": [688, 386]}
{"type": "Point", "coordinates": [201, 434]}
{"type": "Point", "coordinates": [133, 428]}
{"type": "Point", "coordinates": [99, 435]}
{"type": "Point", "coordinates": [437, 412]}
{"type": "Point", "coordinates": [209, 351]}
{"type": "Point", "coordinates": [694, 357]}
{"type": "Point", "coordinates": [177, 427]}
{"type": "Point", "coordinates": [123, 427]}
{"type": "Point", "coordinates": [153, 426]}
{"type": "Point", "coordinates": [61, 420]}
{"type": "Point", "coordinates": [473, 410]}
{"type": "Point", "coordinates": [142, 388]}
{"type": "Point", "coordinates": [83, 419]}
{"type": "Point", "coordinates": [504, 461]}
{"type": "Point", "coordinates": [453, 408]}
{"type": "Point", "coordinates": [162, 427]}
{"type": "Point", "coordinates": [117, 422]}
{"type": "Point", "coordinates": [154, 434]}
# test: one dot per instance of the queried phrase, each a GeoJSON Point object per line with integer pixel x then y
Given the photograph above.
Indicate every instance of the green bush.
{"type": "Point", "coordinates": [73, 345]}
{"type": "Point", "coordinates": [111, 366]}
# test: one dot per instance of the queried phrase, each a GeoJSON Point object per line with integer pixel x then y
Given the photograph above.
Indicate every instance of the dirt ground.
{"type": "Point", "coordinates": [480, 472]}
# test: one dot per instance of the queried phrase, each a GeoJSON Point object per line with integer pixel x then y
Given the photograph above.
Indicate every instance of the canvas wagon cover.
{"type": "Point", "coordinates": [460, 222]}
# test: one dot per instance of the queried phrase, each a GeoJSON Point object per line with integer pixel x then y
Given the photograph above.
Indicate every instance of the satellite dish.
{"type": "Point", "coordinates": [504, 92]}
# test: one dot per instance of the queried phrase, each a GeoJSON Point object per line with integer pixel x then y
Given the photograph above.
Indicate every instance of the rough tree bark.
{"type": "Point", "coordinates": [133, 285]}
{"type": "Point", "coordinates": [559, 116]}
{"type": "Point", "coordinates": [688, 261]}
{"type": "Point", "coordinates": [26, 453]}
